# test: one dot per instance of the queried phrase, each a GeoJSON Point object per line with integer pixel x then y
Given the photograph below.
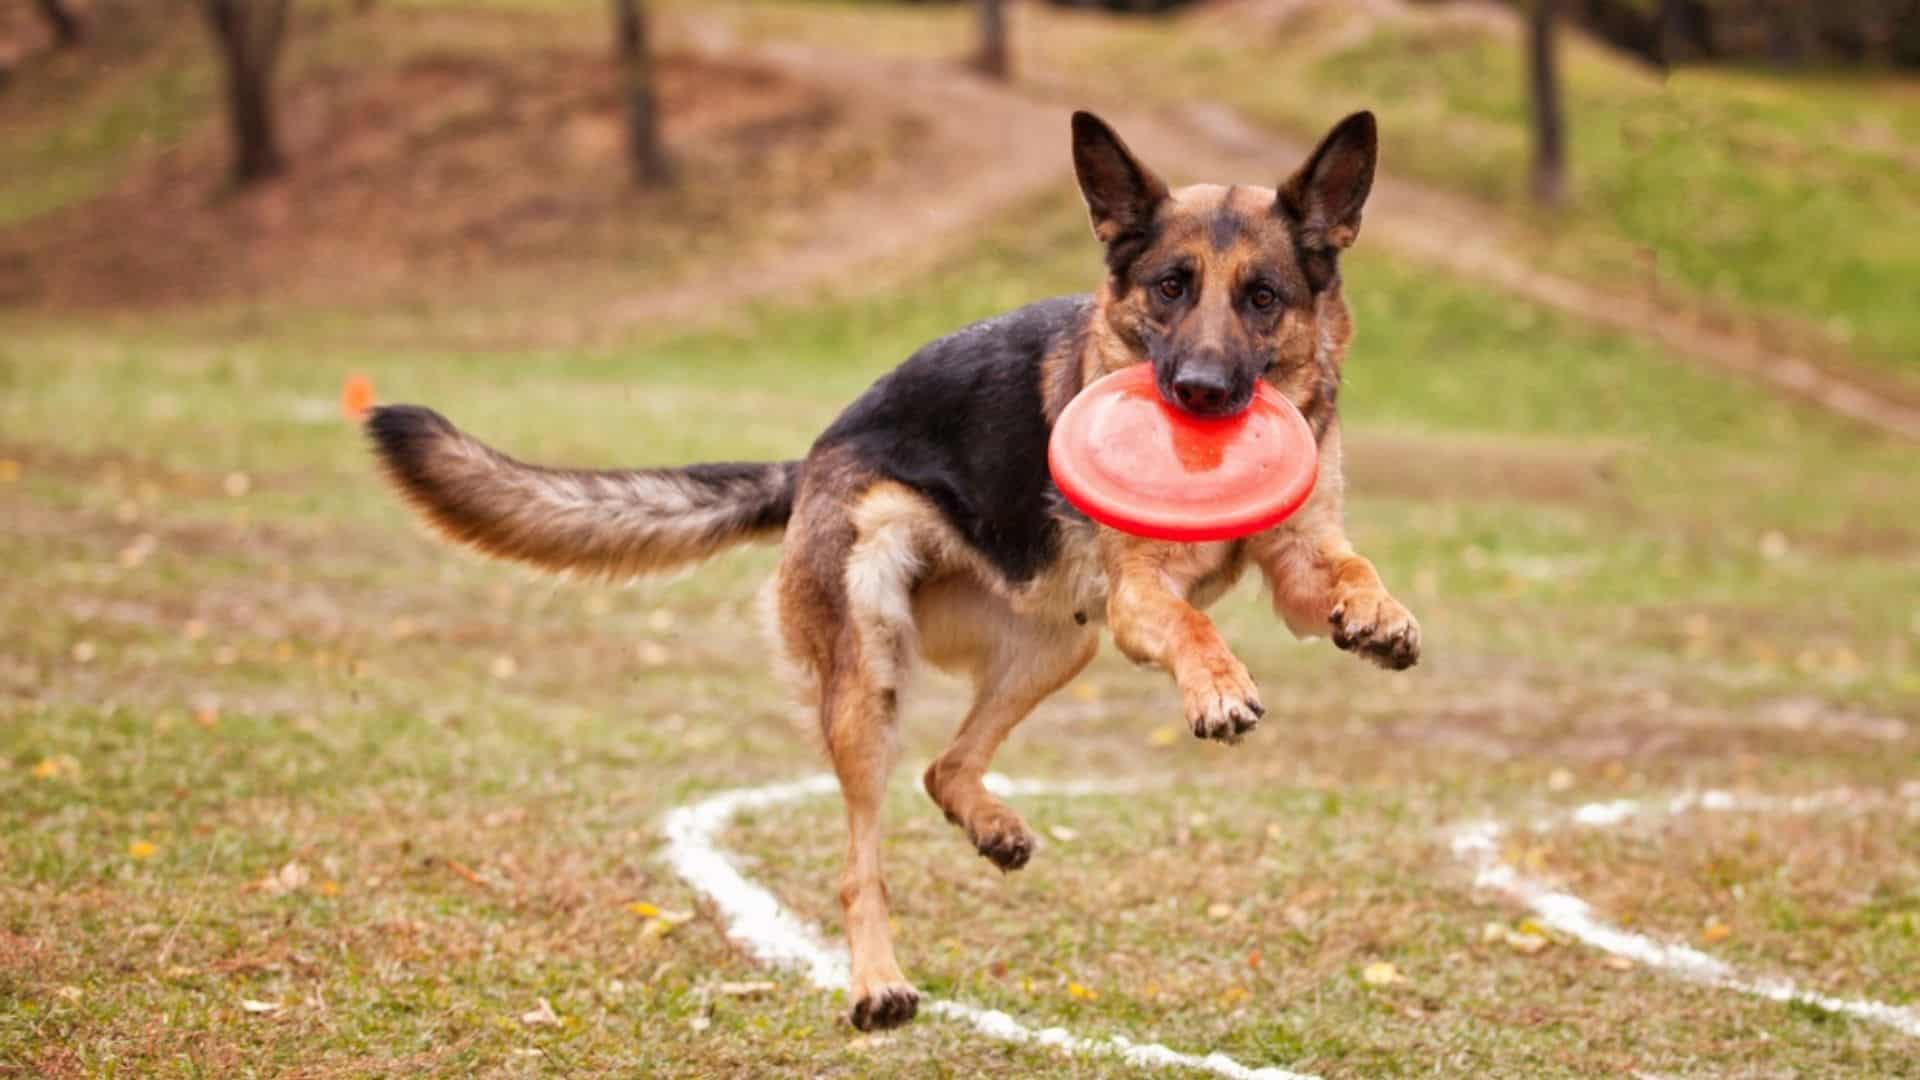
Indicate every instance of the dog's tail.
{"type": "Point", "coordinates": [607, 523]}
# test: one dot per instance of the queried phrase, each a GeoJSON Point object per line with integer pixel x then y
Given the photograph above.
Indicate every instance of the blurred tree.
{"type": "Point", "coordinates": [1549, 129]}
{"type": "Point", "coordinates": [66, 25]}
{"type": "Point", "coordinates": [249, 33]}
{"type": "Point", "coordinates": [645, 155]}
{"type": "Point", "coordinates": [993, 58]}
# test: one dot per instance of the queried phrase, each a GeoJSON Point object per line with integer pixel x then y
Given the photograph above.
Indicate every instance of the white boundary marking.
{"type": "Point", "coordinates": [1478, 845]}
{"type": "Point", "coordinates": [777, 937]}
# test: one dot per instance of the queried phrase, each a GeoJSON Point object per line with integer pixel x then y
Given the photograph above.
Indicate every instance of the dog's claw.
{"type": "Point", "coordinates": [1225, 709]}
{"type": "Point", "coordinates": [889, 1006]}
{"type": "Point", "coordinates": [1008, 848]}
{"type": "Point", "coordinates": [1377, 627]}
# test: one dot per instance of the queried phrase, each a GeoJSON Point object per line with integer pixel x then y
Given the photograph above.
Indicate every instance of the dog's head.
{"type": "Point", "coordinates": [1220, 287]}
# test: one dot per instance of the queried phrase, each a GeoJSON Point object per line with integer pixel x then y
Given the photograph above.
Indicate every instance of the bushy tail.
{"type": "Point", "coordinates": [612, 523]}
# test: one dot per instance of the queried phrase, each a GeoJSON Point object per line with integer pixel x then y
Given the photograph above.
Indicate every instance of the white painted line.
{"type": "Point", "coordinates": [777, 937]}
{"type": "Point", "coordinates": [1478, 844]}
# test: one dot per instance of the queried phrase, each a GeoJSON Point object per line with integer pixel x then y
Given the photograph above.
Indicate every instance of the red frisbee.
{"type": "Point", "coordinates": [1129, 460]}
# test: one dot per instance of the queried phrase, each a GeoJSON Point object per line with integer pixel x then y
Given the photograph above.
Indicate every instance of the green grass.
{"type": "Point", "coordinates": [1777, 193]}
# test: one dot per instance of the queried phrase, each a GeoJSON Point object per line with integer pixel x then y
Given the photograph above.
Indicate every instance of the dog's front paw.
{"type": "Point", "coordinates": [883, 1005]}
{"type": "Point", "coordinates": [1222, 703]}
{"type": "Point", "coordinates": [1373, 624]}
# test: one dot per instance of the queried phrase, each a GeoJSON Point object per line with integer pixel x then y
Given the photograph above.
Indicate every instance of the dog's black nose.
{"type": "Point", "coordinates": [1202, 391]}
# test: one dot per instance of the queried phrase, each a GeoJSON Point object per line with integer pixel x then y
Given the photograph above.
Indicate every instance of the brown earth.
{"type": "Point", "coordinates": [444, 165]}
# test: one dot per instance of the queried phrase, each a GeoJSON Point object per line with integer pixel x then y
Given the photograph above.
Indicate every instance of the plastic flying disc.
{"type": "Point", "coordinates": [1128, 459]}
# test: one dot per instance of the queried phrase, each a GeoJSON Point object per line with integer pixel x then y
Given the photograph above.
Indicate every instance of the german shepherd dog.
{"type": "Point", "coordinates": [923, 524]}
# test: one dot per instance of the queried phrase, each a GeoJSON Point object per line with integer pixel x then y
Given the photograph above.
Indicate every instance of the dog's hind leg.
{"type": "Point", "coordinates": [1016, 662]}
{"type": "Point", "coordinates": [859, 716]}
{"type": "Point", "coordinates": [846, 604]}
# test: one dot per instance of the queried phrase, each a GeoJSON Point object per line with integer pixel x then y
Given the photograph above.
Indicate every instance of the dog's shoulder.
{"type": "Point", "coordinates": [964, 422]}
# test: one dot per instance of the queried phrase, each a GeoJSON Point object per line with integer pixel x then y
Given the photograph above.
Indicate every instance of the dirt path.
{"type": "Point", "coordinates": [993, 146]}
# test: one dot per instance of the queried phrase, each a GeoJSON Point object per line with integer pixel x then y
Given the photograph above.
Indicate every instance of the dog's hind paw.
{"type": "Point", "coordinates": [885, 1006]}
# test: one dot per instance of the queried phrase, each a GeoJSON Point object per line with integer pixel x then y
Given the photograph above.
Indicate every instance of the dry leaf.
{"type": "Point", "coordinates": [1082, 993]}
{"type": "Point", "coordinates": [1219, 909]}
{"type": "Point", "coordinates": [542, 1015]}
{"type": "Point", "coordinates": [253, 1006]}
{"type": "Point", "coordinates": [356, 398]}
{"type": "Point", "coordinates": [699, 1023]}
{"type": "Point", "coordinates": [1381, 973]}
{"type": "Point", "coordinates": [1618, 963]}
{"type": "Point", "coordinates": [143, 850]}
{"type": "Point", "coordinates": [1063, 834]}
{"type": "Point", "coordinates": [643, 909]}
{"type": "Point", "coordinates": [1716, 931]}
{"type": "Point", "coordinates": [68, 993]}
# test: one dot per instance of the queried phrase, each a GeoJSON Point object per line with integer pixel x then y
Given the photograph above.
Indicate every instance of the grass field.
{"type": "Point", "coordinates": [286, 787]}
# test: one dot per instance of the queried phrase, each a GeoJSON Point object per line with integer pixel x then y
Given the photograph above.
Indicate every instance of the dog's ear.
{"type": "Point", "coordinates": [1325, 197]}
{"type": "Point", "coordinates": [1121, 193]}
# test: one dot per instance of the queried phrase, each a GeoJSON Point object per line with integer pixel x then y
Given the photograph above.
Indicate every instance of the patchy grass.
{"type": "Point", "coordinates": [264, 743]}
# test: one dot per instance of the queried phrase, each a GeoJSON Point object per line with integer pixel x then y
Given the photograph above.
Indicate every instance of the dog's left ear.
{"type": "Point", "coordinates": [1325, 197]}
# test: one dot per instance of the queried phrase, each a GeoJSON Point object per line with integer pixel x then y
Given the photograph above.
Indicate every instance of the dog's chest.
{"type": "Point", "coordinates": [1074, 584]}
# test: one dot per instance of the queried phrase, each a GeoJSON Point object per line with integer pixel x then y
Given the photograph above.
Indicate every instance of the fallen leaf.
{"type": "Point", "coordinates": [1381, 973]}
{"type": "Point", "coordinates": [143, 850]}
{"type": "Point", "coordinates": [644, 909]}
{"type": "Point", "coordinates": [699, 1023]}
{"type": "Point", "coordinates": [1219, 909]}
{"type": "Point", "coordinates": [746, 989]}
{"type": "Point", "coordinates": [356, 398]}
{"type": "Point", "coordinates": [1618, 963]}
{"type": "Point", "coordinates": [1063, 834]}
{"type": "Point", "coordinates": [69, 993]}
{"type": "Point", "coordinates": [1082, 993]}
{"type": "Point", "coordinates": [468, 873]}
{"type": "Point", "coordinates": [253, 1006]}
{"type": "Point", "coordinates": [1716, 931]}
{"type": "Point", "coordinates": [541, 1015]}
{"type": "Point", "coordinates": [328, 888]}
{"type": "Point", "coordinates": [1526, 943]}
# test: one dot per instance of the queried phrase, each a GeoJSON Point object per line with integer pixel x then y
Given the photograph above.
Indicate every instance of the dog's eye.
{"type": "Point", "coordinates": [1173, 287]}
{"type": "Point", "coordinates": [1263, 297]}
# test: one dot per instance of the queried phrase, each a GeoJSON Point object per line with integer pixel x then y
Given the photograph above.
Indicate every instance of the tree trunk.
{"type": "Point", "coordinates": [1549, 132]}
{"type": "Point", "coordinates": [66, 25]}
{"type": "Point", "coordinates": [1675, 44]}
{"type": "Point", "coordinates": [249, 33]}
{"type": "Point", "coordinates": [646, 157]}
{"type": "Point", "coordinates": [993, 58]}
